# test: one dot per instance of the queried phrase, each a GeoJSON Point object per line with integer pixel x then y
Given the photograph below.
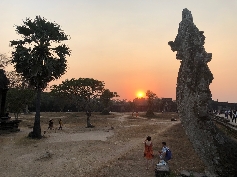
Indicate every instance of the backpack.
{"type": "Point", "coordinates": [168, 154]}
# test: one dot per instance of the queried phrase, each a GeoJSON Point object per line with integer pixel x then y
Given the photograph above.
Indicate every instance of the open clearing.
{"type": "Point", "coordinates": [113, 148]}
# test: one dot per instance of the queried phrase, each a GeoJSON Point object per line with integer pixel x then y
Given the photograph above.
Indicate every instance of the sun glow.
{"type": "Point", "coordinates": [140, 94]}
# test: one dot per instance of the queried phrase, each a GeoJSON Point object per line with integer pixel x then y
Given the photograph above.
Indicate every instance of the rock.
{"type": "Point", "coordinates": [162, 170]}
{"type": "Point", "coordinates": [185, 173]}
{"type": "Point", "coordinates": [46, 155]}
{"type": "Point", "coordinates": [195, 174]}
{"type": "Point", "coordinates": [193, 96]}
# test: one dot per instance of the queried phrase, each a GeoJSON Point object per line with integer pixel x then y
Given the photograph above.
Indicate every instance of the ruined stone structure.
{"type": "Point", "coordinates": [5, 122]}
{"type": "Point", "coordinates": [3, 91]}
{"type": "Point", "coordinates": [218, 152]}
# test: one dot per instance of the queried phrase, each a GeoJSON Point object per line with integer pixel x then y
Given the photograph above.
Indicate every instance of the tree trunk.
{"type": "Point", "coordinates": [26, 109]}
{"type": "Point", "coordinates": [37, 128]}
{"type": "Point", "coordinates": [16, 115]}
{"type": "Point", "coordinates": [88, 122]}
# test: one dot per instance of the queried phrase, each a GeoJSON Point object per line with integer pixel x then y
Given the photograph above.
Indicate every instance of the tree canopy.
{"type": "Point", "coordinates": [150, 100]}
{"type": "Point", "coordinates": [19, 95]}
{"type": "Point", "coordinates": [105, 98]}
{"type": "Point", "coordinates": [39, 57]}
{"type": "Point", "coordinates": [82, 92]}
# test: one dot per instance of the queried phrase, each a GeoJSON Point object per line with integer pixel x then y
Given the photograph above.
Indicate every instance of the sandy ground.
{"type": "Point", "coordinates": [113, 148]}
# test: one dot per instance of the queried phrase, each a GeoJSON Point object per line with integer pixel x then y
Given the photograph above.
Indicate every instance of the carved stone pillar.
{"type": "Point", "coordinates": [218, 151]}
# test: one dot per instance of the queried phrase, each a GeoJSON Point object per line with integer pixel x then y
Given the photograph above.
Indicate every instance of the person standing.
{"type": "Point", "coordinates": [60, 124]}
{"type": "Point", "coordinates": [230, 113]}
{"type": "Point", "coordinates": [234, 115]}
{"type": "Point", "coordinates": [226, 114]}
{"type": "Point", "coordinates": [148, 152]}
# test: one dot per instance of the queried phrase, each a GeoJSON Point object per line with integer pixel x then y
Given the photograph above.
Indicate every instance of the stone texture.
{"type": "Point", "coordinates": [185, 173]}
{"type": "Point", "coordinates": [4, 82]}
{"type": "Point", "coordinates": [218, 152]}
{"type": "Point", "coordinates": [162, 170]}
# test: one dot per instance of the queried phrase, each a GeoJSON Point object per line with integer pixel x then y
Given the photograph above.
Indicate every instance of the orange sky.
{"type": "Point", "coordinates": [125, 43]}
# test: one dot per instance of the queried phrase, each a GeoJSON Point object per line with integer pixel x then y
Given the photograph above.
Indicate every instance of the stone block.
{"type": "Point", "coordinates": [162, 170]}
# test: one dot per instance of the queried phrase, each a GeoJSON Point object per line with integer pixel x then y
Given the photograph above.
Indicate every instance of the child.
{"type": "Point", "coordinates": [50, 124]}
{"type": "Point", "coordinates": [60, 124]}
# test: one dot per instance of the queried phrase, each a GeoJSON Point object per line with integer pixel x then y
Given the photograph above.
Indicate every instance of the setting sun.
{"type": "Point", "coordinates": [140, 94]}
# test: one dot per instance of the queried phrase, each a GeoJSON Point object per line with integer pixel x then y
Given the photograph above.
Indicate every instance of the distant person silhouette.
{"type": "Point", "coordinates": [60, 124]}
{"type": "Point", "coordinates": [50, 124]}
{"type": "Point", "coordinates": [226, 114]}
{"type": "Point", "coordinates": [234, 115]}
{"type": "Point", "coordinates": [230, 113]}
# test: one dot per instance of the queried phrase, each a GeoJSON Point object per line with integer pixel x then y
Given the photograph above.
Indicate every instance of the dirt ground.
{"type": "Point", "coordinates": [114, 147]}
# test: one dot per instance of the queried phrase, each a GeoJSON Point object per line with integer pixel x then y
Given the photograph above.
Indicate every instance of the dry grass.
{"type": "Point", "coordinates": [184, 156]}
{"type": "Point", "coordinates": [120, 155]}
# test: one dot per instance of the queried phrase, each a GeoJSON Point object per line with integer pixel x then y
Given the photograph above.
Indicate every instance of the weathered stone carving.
{"type": "Point", "coordinates": [5, 122]}
{"type": "Point", "coordinates": [218, 151]}
{"type": "Point", "coordinates": [3, 91]}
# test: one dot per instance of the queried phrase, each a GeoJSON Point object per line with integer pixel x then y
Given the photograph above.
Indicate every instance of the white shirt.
{"type": "Point", "coordinates": [164, 149]}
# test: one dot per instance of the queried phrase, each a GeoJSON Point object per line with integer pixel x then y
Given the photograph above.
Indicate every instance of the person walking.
{"type": "Point", "coordinates": [148, 152]}
{"type": "Point", "coordinates": [50, 124]}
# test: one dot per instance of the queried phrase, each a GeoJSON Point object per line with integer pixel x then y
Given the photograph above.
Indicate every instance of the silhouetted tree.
{"type": "Point", "coordinates": [150, 100]}
{"type": "Point", "coordinates": [82, 92]}
{"type": "Point", "coordinates": [18, 100]}
{"type": "Point", "coordinates": [105, 98]}
{"type": "Point", "coordinates": [132, 106]}
{"type": "Point", "coordinates": [158, 104]}
{"type": "Point", "coordinates": [39, 57]}
{"type": "Point", "coordinates": [20, 93]}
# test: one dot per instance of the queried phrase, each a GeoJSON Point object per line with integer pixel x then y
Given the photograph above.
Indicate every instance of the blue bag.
{"type": "Point", "coordinates": [168, 154]}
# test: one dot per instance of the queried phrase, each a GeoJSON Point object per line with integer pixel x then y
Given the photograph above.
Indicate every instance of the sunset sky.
{"type": "Point", "coordinates": [125, 42]}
